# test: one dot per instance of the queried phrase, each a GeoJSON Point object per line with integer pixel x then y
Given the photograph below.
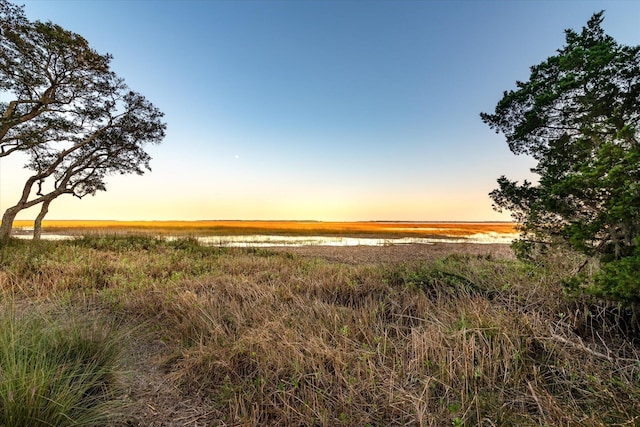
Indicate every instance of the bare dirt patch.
{"type": "Point", "coordinates": [155, 402]}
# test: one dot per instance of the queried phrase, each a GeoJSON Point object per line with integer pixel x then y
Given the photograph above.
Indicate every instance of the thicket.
{"type": "Point", "coordinates": [578, 116]}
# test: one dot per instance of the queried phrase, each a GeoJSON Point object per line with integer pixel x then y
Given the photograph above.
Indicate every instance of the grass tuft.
{"type": "Point", "coordinates": [54, 372]}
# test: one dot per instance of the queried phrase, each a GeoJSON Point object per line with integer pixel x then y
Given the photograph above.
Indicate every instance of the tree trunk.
{"type": "Point", "coordinates": [7, 222]}
{"type": "Point", "coordinates": [635, 317]}
{"type": "Point", "coordinates": [10, 214]}
{"type": "Point", "coordinates": [37, 224]}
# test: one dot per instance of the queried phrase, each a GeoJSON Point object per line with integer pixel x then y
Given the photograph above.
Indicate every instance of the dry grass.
{"type": "Point", "coordinates": [431, 229]}
{"type": "Point", "coordinates": [253, 337]}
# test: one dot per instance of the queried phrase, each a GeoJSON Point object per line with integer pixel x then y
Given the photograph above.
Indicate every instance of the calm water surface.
{"type": "Point", "coordinates": [272, 240]}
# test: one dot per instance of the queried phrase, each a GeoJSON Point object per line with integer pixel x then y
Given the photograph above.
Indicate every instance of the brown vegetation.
{"type": "Point", "coordinates": [253, 337]}
{"type": "Point", "coordinates": [277, 227]}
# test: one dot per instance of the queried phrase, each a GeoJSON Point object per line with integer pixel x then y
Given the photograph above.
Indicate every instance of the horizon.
{"type": "Point", "coordinates": [334, 111]}
{"type": "Point", "coordinates": [49, 221]}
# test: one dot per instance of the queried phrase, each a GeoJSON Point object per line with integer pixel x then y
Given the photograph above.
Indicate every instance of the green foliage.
{"type": "Point", "coordinates": [55, 374]}
{"type": "Point", "coordinates": [118, 243]}
{"type": "Point", "coordinates": [22, 258]}
{"type": "Point", "coordinates": [578, 117]}
{"type": "Point", "coordinates": [618, 279]}
{"type": "Point", "coordinates": [63, 107]}
{"type": "Point", "coordinates": [446, 276]}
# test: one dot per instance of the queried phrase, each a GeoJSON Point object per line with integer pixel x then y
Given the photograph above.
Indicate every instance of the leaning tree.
{"type": "Point", "coordinates": [68, 112]}
{"type": "Point", "coordinates": [578, 117]}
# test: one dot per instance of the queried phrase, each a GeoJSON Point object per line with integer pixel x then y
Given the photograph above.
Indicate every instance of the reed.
{"type": "Point", "coordinates": [295, 228]}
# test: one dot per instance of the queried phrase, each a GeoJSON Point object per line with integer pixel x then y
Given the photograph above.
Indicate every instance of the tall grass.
{"type": "Point", "coordinates": [54, 372]}
{"type": "Point", "coordinates": [260, 338]}
{"type": "Point", "coordinates": [463, 341]}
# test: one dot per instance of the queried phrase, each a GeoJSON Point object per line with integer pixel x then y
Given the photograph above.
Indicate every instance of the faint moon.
{"type": "Point", "coordinates": [236, 156]}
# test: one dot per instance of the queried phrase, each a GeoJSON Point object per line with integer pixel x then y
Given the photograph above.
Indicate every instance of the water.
{"type": "Point", "coordinates": [267, 241]}
{"type": "Point", "coordinates": [263, 241]}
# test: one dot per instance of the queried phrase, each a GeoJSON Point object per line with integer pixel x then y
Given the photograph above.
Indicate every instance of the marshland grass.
{"type": "Point", "coordinates": [255, 337]}
{"type": "Point", "coordinates": [290, 228]}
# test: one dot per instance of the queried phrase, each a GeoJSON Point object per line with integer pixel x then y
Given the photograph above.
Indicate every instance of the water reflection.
{"type": "Point", "coordinates": [266, 241]}
{"type": "Point", "coordinates": [254, 241]}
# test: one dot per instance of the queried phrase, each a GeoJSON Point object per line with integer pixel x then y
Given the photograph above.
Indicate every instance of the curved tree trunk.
{"type": "Point", "coordinates": [37, 224]}
{"type": "Point", "coordinates": [7, 222]}
{"type": "Point", "coordinates": [10, 214]}
{"type": "Point", "coordinates": [24, 203]}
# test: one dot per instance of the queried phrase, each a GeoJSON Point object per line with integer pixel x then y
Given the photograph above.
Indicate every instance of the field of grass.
{"type": "Point", "coordinates": [219, 336]}
{"type": "Point", "coordinates": [206, 228]}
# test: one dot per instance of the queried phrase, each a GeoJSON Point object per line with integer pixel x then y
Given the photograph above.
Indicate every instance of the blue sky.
{"type": "Point", "coordinates": [326, 110]}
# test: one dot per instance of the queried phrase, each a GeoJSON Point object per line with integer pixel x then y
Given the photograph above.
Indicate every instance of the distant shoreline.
{"type": "Point", "coordinates": [496, 231]}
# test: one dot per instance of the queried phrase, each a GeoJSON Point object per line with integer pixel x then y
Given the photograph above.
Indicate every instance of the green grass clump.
{"type": "Point", "coordinates": [54, 372]}
{"type": "Point", "coordinates": [118, 243]}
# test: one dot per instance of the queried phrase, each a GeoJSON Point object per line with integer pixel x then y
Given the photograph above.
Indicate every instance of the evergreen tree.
{"type": "Point", "coordinates": [577, 116]}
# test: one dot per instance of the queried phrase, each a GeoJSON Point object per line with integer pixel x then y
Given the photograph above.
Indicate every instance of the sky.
{"type": "Point", "coordinates": [317, 109]}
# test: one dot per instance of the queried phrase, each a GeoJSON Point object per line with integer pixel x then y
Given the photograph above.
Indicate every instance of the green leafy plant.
{"type": "Point", "coordinates": [577, 116]}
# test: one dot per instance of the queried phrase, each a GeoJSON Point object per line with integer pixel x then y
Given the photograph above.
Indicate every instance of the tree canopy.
{"type": "Point", "coordinates": [74, 118]}
{"type": "Point", "coordinates": [577, 116]}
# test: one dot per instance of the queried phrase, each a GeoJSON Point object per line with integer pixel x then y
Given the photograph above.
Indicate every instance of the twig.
{"type": "Point", "coordinates": [582, 347]}
{"type": "Point", "coordinates": [535, 397]}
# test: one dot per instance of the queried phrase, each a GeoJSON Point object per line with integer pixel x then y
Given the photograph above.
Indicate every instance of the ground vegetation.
{"type": "Point", "coordinates": [578, 116]}
{"type": "Point", "coordinates": [219, 336]}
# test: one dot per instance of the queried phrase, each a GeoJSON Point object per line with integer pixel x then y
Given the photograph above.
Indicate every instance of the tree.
{"type": "Point", "coordinates": [69, 113]}
{"type": "Point", "coordinates": [577, 116]}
